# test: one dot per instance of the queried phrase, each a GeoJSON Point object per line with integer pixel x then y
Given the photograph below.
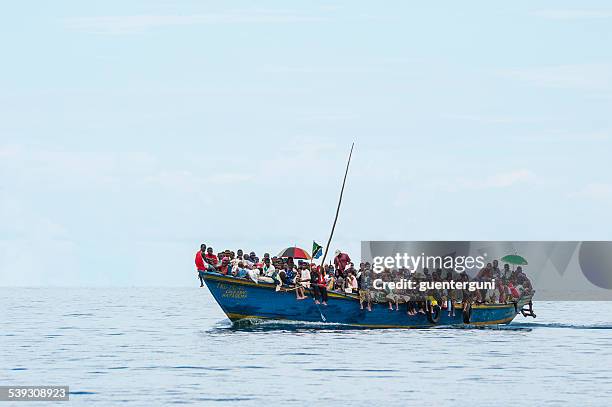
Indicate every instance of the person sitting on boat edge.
{"type": "Point", "coordinates": [201, 267]}
{"type": "Point", "coordinates": [320, 288]}
{"type": "Point", "coordinates": [449, 297]}
{"type": "Point", "coordinates": [269, 270]}
{"type": "Point", "coordinates": [350, 268]}
{"type": "Point", "coordinates": [330, 279]}
{"type": "Point", "coordinates": [339, 282]}
{"type": "Point", "coordinates": [360, 275]}
{"type": "Point", "coordinates": [288, 274]}
{"type": "Point", "coordinates": [364, 294]}
{"type": "Point", "coordinates": [350, 282]}
{"type": "Point", "coordinates": [303, 280]}
{"type": "Point", "coordinates": [420, 299]}
{"type": "Point", "coordinates": [522, 282]}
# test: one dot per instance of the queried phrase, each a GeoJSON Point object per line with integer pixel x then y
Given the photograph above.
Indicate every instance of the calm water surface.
{"type": "Point", "coordinates": [154, 346]}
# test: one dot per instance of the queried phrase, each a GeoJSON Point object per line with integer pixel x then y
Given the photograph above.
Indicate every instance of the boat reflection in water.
{"type": "Point", "coordinates": [244, 299]}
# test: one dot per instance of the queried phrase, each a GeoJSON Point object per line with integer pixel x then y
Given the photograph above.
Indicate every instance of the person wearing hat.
{"type": "Point", "coordinates": [341, 261]}
{"type": "Point", "coordinates": [225, 267]}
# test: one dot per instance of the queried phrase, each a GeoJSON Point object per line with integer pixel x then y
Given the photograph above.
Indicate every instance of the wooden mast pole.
{"type": "Point", "coordinates": [337, 209]}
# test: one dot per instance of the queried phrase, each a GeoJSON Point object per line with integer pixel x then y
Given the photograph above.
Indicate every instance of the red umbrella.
{"type": "Point", "coordinates": [294, 252]}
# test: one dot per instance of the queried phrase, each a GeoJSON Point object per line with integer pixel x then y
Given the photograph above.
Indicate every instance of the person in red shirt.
{"type": "Point", "coordinates": [320, 287]}
{"type": "Point", "coordinates": [341, 260]}
{"type": "Point", "coordinates": [199, 263]}
{"type": "Point", "coordinates": [210, 257]}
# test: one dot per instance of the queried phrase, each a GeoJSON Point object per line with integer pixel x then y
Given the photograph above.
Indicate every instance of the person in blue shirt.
{"type": "Point", "coordinates": [288, 275]}
{"type": "Point", "coordinates": [241, 271]}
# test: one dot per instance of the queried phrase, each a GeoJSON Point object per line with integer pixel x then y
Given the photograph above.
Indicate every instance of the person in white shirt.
{"type": "Point", "coordinates": [351, 283]}
{"type": "Point", "coordinates": [270, 274]}
{"type": "Point", "coordinates": [303, 281]}
{"type": "Point", "coordinates": [247, 261]}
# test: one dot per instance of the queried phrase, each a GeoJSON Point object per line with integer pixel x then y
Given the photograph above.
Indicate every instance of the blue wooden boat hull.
{"type": "Point", "coordinates": [244, 299]}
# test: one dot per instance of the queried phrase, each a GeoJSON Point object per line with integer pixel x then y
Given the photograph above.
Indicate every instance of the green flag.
{"type": "Point", "coordinates": [317, 250]}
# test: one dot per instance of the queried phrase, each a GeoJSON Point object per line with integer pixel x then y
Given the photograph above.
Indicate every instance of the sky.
{"type": "Point", "coordinates": [131, 132]}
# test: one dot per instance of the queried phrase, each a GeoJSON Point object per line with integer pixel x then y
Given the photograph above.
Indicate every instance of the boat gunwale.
{"type": "Point", "coordinates": [236, 280]}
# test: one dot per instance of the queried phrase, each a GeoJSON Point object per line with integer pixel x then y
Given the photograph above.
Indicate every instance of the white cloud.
{"type": "Point", "coordinates": [569, 14]}
{"type": "Point", "coordinates": [581, 76]}
{"type": "Point", "coordinates": [139, 23]}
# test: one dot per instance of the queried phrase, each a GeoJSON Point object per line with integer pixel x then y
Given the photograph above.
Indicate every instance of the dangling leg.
{"type": "Point", "coordinates": [317, 293]}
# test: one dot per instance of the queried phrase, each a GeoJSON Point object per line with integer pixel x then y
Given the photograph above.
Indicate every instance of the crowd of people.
{"type": "Point", "coordinates": [341, 276]}
{"type": "Point", "coordinates": [509, 285]}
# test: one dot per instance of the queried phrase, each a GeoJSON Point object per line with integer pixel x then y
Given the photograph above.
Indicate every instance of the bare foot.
{"type": "Point", "coordinates": [317, 302]}
{"type": "Point", "coordinates": [369, 308]}
{"type": "Point", "coordinates": [324, 303]}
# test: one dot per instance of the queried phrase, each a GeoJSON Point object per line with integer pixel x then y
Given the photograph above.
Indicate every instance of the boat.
{"type": "Point", "coordinates": [242, 299]}
{"type": "Point", "coordinates": [246, 299]}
